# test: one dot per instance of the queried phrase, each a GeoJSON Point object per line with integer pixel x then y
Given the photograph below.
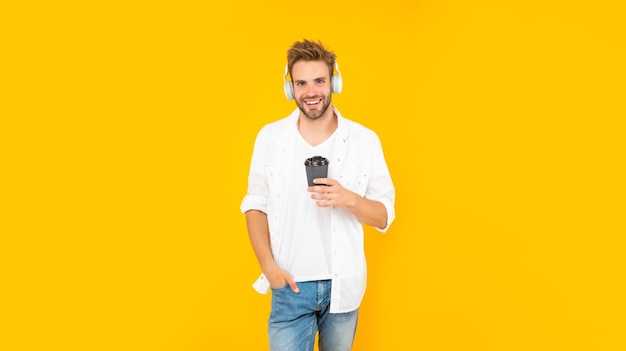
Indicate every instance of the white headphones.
{"type": "Point", "coordinates": [336, 83]}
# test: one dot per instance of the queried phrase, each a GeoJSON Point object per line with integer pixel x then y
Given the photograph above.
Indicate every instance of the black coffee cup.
{"type": "Point", "coordinates": [316, 167]}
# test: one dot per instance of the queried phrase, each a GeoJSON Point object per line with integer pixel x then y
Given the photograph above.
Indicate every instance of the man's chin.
{"type": "Point", "coordinates": [311, 114]}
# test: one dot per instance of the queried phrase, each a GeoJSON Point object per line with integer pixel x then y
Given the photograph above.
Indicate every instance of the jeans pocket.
{"type": "Point", "coordinates": [282, 288]}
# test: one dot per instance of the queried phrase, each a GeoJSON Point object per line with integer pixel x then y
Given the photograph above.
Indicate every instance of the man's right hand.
{"type": "Point", "coordinates": [279, 278]}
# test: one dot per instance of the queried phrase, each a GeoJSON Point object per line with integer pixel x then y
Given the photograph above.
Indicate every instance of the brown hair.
{"type": "Point", "coordinates": [307, 50]}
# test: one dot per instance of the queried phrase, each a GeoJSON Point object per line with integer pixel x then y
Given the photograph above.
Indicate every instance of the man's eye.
{"type": "Point", "coordinates": [320, 81]}
{"type": "Point", "coordinates": [299, 84]}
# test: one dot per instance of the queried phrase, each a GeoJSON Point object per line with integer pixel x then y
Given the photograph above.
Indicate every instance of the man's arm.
{"type": "Point", "coordinates": [259, 233]}
{"type": "Point", "coordinates": [367, 211]}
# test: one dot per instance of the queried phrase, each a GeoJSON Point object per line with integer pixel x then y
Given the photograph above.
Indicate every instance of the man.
{"type": "Point", "coordinates": [309, 239]}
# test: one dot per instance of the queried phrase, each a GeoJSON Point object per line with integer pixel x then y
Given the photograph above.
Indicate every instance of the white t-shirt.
{"type": "Point", "coordinates": [309, 240]}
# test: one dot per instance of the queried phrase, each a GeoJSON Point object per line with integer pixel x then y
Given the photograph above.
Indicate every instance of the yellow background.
{"type": "Point", "coordinates": [127, 129]}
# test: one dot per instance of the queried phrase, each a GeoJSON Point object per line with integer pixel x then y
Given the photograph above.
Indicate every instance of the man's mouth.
{"type": "Point", "coordinates": [312, 102]}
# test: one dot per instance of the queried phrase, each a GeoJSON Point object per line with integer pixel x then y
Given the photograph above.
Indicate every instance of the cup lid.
{"type": "Point", "coordinates": [316, 161]}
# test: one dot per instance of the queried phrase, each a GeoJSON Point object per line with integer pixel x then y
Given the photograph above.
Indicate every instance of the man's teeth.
{"type": "Point", "coordinates": [312, 102]}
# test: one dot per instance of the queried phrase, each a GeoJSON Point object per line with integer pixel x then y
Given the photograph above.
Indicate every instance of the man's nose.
{"type": "Point", "coordinates": [309, 89]}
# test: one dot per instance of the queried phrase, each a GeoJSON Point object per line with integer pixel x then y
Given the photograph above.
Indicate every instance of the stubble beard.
{"type": "Point", "coordinates": [326, 99]}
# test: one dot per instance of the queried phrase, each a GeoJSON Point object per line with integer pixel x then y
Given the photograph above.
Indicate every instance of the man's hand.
{"type": "Point", "coordinates": [331, 194]}
{"type": "Point", "coordinates": [367, 211]}
{"type": "Point", "coordinates": [279, 278]}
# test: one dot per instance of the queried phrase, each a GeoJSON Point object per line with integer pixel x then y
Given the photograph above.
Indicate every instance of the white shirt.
{"type": "Point", "coordinates": [357, 162]}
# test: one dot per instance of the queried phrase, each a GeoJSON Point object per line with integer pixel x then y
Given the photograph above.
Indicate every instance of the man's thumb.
{"type": "Point", "coordinates": [294, 286]}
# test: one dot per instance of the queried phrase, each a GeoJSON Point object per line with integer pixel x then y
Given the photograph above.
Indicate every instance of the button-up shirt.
{"type": "Point", "coordinates": [358, 164]}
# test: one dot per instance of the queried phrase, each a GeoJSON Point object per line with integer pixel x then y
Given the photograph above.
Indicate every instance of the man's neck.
{"type": "Point", "coordinates": [316, 131]}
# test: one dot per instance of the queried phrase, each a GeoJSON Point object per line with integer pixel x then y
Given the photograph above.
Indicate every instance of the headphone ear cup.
{"type": "Point", "coordinates": [336, 84]}
{"type": "Point", "coordinates": [289, 90]}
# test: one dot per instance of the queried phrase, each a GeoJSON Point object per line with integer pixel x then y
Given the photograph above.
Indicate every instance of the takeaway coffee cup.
{"type": "Point", "coordinates": [316, 167]}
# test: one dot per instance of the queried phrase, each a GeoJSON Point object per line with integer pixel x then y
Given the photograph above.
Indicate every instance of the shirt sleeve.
{"type": "Point", "coordinates": [257, 195]}
{"type": "Point", "coordinates": [380, 187]}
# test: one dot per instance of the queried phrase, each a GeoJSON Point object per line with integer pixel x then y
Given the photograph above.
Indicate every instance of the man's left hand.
{"type": "Point", "coordinates": [331, 194]}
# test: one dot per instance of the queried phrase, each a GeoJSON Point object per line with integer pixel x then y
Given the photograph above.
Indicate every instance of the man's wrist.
{"type": "Point", "coordinates": [268, 268]}
{"type": "Point", "coordinates": [353, 200]}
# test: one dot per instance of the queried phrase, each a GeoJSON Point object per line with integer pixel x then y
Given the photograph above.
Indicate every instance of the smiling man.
{"type": "Point", "coordinates": [309, 239]}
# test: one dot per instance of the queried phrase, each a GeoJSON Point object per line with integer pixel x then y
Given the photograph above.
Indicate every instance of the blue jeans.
{"type": "Point", "coordinates": [296, 318]}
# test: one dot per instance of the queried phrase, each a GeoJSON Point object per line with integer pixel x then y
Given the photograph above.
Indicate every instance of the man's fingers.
{"type": "Point", "coordinates": [293, 285]}
{"type": "Point", "coordinates": [321, 180]}
{"type": "Point", "coordinates": [325, 181]}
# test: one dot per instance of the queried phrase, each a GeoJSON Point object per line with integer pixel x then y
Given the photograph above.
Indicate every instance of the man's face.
{"type": "Point", "coordinates": [311, 86]}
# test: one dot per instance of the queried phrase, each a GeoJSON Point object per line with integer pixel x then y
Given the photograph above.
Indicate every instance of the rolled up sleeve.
{"type": "Point", "coordinates": [257, 195]}
{"type": "Point", "coordinates": [380, 187]}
